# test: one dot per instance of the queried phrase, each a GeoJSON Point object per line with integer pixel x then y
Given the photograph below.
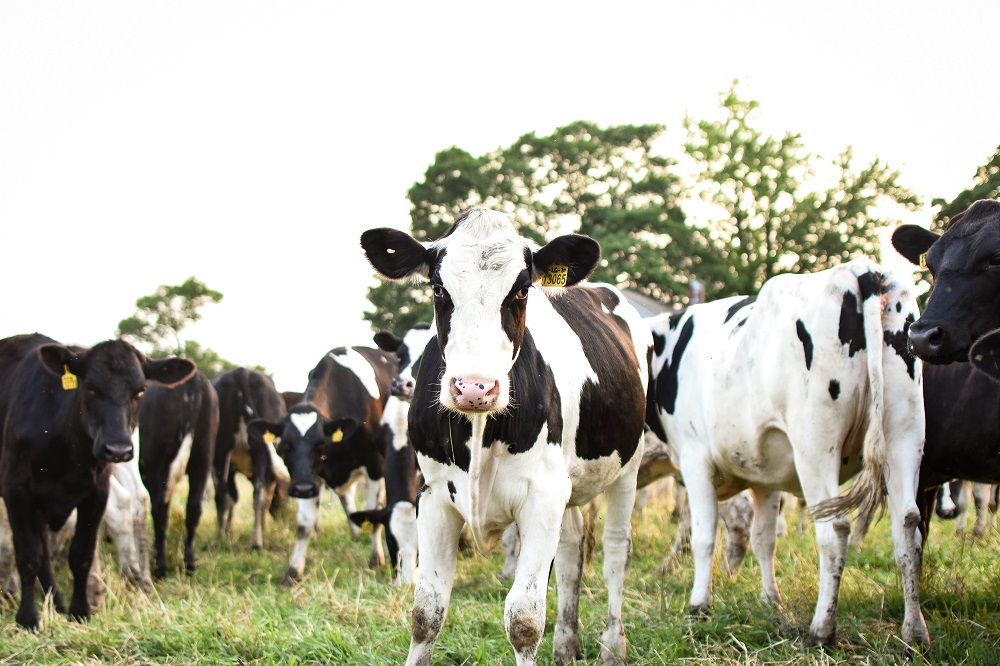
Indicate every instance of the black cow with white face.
{"type": "Point", "coordinates": [177, 427]}
{"type": "Point", "coordinates": [963, 312]}
{"type": "Point", "coordinates": [245, 395]}
{"type": "Point", "coordinates": [531, 404]}
{"type": "Point", "coordinates": [402, 478]}
{"type": "Point", "coordinates": [334, 437]}
{"type": "Point", "coordinates": [66, 414]}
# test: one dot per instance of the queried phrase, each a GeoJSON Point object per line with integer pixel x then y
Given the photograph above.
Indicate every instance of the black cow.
{"type": "Point", "coordinates": [177, 429]}
{"type": "Point", "coordinates": [66, 414]}
{"type": "Point", "coordinates": [244, 395]}
{"type": "Point", "coordinates": [334, 437]}
{"type": "Point", "coordinates": [402, 478]}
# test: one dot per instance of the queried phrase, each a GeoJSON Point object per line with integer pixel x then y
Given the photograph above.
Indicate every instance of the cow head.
{"type": "Point", "coordinates": [108, 381]}
{"type": "Point", "coordinates": [310, 444]}
{"type": "Point", "coordinates": [482, 273]}
{"type": "Point", "coordinates": [965, 264]}
{"type": "Point", "coordinates": [400, 522]}
{"type": "Point", "coordinates": [409, 350]}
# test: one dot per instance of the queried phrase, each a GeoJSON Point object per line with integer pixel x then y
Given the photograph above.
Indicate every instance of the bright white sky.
{"type": "Point", "coordinates": [249, 144]}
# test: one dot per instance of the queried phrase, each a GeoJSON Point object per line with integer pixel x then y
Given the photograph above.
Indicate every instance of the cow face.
{"type": "Point", "coordinates": [313, 448]}
{"type": "Point", "coordinates": [408, 350]}
{"type": "Point", "coordinates": [109, 382]}
{"type": "Point", "coordinates": [965, 264]}
{"type": "Point", "coordinates": [482, 273]}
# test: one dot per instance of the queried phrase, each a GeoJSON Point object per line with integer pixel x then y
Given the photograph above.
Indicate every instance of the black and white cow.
{"type": "Point", "coordinates": [530, 406]}
{"type": "Point", "coordinates": [791, 391]}
{"type": "Point", "coordinates": [245, 395]}
{"type": "Point", "coordinates": [335, 437]}
{"type": "Point", "coordinates": [177, 427]}
{"type": "Point", "coordinates": [66, 414]}
{"type": "Point", "coordinates": [402, 478]}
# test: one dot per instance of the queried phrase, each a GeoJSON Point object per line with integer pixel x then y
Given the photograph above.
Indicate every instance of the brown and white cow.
{"type": "Point", "coordinates": [530, 405]}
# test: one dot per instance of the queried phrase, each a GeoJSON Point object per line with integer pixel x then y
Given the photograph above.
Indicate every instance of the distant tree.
{"type": "Point", "coordinates": [773, 213]}
{"type": "Point", "coordinates": [985, 185]}
{"type": "Point", "coordinates": [609, 183]}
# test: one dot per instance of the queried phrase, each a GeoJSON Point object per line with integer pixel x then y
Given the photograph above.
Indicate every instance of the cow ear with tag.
{"type": "Point", "coordinates": [264, 430]}
{"type": "Point", "coordinates": [984, 355]}
{"type": "Point", "coordinates": [913, 242]}
{"type": "Point", "coordinates": [61, 361]}
{"type": "Point", "coordinates": [566, 260]}
{"type": "Point", "coordinates": [337, 430]}
{"type": "Point", "coordinates": [367, 520]}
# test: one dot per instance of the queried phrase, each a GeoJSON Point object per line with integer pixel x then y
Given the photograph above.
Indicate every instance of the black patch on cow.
{"type": "Point", "coordinates": [452, 490]}
{"type": "Point", "coordinates": [834, 389]}
{"type": "Point", "coordinates": [513, 310]}
{"type": "Point", "coordinates": [899, 306]}
{"type": "Point", "coordinates": [736, 307]}
{"type": "Point", "coordinates": [675, 319]}
{"type": "Point", "coordinates": [870, 284]}
{"type": "Point", "coordinates": [897, 341]}
{"type": "Point", "coordinates": [443, 309]}
{"type": "Point", "coordinates": [852, 324]}
{"type": "Point", "coordinates": [666, 382]}
{"type": "Point", "coordinates": [659, 342]}
{"type": "Point", "coordinates": [807, 342]}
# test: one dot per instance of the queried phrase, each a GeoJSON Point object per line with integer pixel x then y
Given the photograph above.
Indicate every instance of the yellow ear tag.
{"type": "Point", "coordinates": [337, 436]}
{"type": "Point", "coordinates": [556, 276]}
{"type": "Point", "coordinates": [367, 527]}
{"type": "Point", "coordinates": [69, 380]}
{"type": "Point", "coordinates": [923, 260]}
{"type": "Point", "coordinates": [269, 437]}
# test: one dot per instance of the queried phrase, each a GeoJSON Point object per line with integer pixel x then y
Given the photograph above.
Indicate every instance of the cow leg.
{"type": "Point", "coordinates": [438, 528]}
{"type": "Point", "coordinates": [737, 517]}
{"type": "Point", "coordinates": [682, 542]}
{"type": "Point", "coordinates": [261, 497]}
{"type": "Point", "coordinates": [222, 498]}
{"type": "Point", "coordinates": [619, 498]}
{"type": "Point", "coordinates": [981, 498]}
{"type": "Point", "coordinates": [161, 515]}
{"type": "Point", "coordinates": [6, 553]}
{"type": "Point", "coordinates": [569, 568]}
{"type": "Point", "coordinates": [703, 503]}
{"type": "Point", "coordinates": [28, 535]}
{"type": "Point", "coordinates": [511, 541]}
{"type": "Point", "coordinates": [82, 549]}
{"type": "Point", "coordinates": [346, 496]}
{"type": "Point", "coordinates": [376, 494]}
{"type": "Point", "coordinates": [126, 522]}
{"type": "Point", "coordinates": [234, 496]}
{"type": "Point", "coordinates": [763, 539]}
{"type": "Point", "coordinates": [197, 481]}
{"type": "Point", "coordinates": [308, 516]}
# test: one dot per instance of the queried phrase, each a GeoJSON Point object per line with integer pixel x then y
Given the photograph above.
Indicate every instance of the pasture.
{"type": "Point", "coordinates": [232, 611]}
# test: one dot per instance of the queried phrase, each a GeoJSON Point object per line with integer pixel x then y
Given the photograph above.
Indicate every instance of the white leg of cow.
{"type": "Point", "coordinates": [308, 516]}
{"type": "Point", "coordinates": [737, 517]}
{"type": "Point", "coordinates": [346, 496]}
{"type": "Point", "coordinates": [619, 498]}
{"type": "Point", "coordinates": [981, 497]}
{"type": "Point", "coordinates": [126, 520]}
{"type": "Point", "coordinates": [763, 540]}
{"type": "Point", "coordinates": [438, 527]}
{"type": "Point", "coordinates": [376, 494]}
{"type": "Point", "coordinates": [682, 543]}
{"type": "Point", "coordinates": [961, 503]}
{"type": "Point", "coordinates": [261, 497]}
{"type": "Point", "coordinates": [569, 568]}
{"type": "Point", "coordinates": [703, 503]}
{"type": "Point", "coordinates": [511, 541]}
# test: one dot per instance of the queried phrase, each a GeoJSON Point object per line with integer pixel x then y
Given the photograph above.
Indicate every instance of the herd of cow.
{"type": "Point", "coordinates": [530, 395]}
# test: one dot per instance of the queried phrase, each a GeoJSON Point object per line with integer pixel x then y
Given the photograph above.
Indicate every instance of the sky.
{"type": "Point", "coordinates": [250, 143]}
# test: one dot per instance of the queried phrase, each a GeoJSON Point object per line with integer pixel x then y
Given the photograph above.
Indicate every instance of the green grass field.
{"type": "Point", "coordinates": [233, 612]}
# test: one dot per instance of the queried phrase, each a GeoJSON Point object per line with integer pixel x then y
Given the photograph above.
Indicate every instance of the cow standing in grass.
{"type": "Point", "coordinates": [791, 391]}
{"type": "Point", "coordinates": [530, 405]}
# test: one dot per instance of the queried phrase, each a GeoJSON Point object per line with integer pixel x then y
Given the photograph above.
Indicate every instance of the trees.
{"type": "Point", "coordinates": [985, 185]}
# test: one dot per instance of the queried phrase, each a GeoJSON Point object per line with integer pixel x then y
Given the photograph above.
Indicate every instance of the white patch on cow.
{"type": "Point", "coordinates": [277, 464]}
{"type": "Point", "coordinates": [179, 465]}
{"type": "Point", "coordinates": [361, 368]}
{"type": "Point", "coordinates": [303, 421]}
{"type": "Point", "coordinates": [403, 527]}
{"type": "Point", "coordinates": [394, 415]}
{"type": "Point", "coordinates": [308, 516]}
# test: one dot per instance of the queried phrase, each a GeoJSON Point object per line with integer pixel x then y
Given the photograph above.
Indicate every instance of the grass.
{"type": "Point", "coordinates": [232, 611]}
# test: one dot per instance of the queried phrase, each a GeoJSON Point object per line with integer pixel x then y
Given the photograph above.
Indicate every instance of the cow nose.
{"type": "Point", "coordinates": [303, 490]}
{"type": "Point", "coordinates": [116, 452]}
{"type": "Point", "coordinates": [474, 393]}
{"type": "Point", "coordinates": [402, 388]}
{"type": "Point", "coordinates": [926, 340]}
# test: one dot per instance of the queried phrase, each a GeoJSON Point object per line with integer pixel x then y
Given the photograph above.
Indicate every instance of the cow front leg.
{"type": "Point", "coordinates": [197, 480]}
{"type": "Point", "coordinates": [222, 499]}
{"type": "Point", "coordinates": [764, 541]}
{"type": "Point", "coordinates": [308, 516]}
{"type": "Point", "coordinates": [376, 493]}
{"type": "Point", "coordinates": [511, 541]}
{"type": "Point", "coordinates": [28, 536]}
{"type": "Point", "coordinates": [569, 567]}
{"type": "Point", "coordinates": [346, 496]}
{"type": "Point", "coordinates": [82, 551]}
{"type": "Point", "coordinates": [161, 514]}
{"type": "Point", "coordinates": [901, 484]}
{"type": "Point", "coordinates": [703, 503]}
{"type": "Point", "coordinates": [438, 529]}
{"type": "Point", "coordinates": [261, 495]}
{"type": "Point", "coordinates": [619, 500]}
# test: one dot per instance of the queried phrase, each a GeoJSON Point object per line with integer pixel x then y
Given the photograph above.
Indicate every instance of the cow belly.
{"type": "Point", "coordinates": [179, 464]}
{"type": "Point", "coordinates": [589, 478]}
{"type": "Point", "coordinates": [765, 460]}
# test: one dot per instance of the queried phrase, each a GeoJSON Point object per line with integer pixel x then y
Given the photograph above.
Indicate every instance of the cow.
{"type": "Point", "coordinates": [334, 437]}
{"type": "Point", "coordinates": [953, 503]}
{"type": "Point", "coordinates": [177, 427]}
{"type": "Point", "coordinates": [245, 395]}
{"type": "Point", "coordinates": [398, 517]}
{"type": "Point", "coordinates": [66, 414]}
{"type": "Point", "coordinates": [530, 405]}
{"type": "Point", "coordinates": [791, 391]}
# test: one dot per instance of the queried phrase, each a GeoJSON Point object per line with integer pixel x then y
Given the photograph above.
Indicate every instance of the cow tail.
{"type": "Point", "coordinates": [868, 492]}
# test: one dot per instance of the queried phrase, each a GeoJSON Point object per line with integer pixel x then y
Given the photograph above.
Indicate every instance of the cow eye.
{"type": "Point", "coordinates": [522, 292]}
{"type": "Point", "coordinates": [137, 396]}
{"type": "Point", "coordinates": [994, 261]}
{"type": "Point", "coordinates": [439, 291]}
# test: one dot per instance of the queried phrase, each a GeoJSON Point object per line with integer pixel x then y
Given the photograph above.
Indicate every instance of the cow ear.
{"type": "Point", "coordinates": [395, 254]}
{"type": "Point", "coordinates": [984, 355]}
{"type": "Point", "coordinates": [57, 359]}
{"type": "Point", "coordinates": [566, 260]}
{"type": "Point", "coordinates": [375, 517]}
{"type": "Point", "coordinates": [386, 341]}
{"type": "Point", "coordinates": [167, 371]}
{"type": "Point", "coordinates": [913, 241]}
{"type": "Point", "coordinates": [258, 429]}
{"type": "Point", "coordinates": [337, 430]}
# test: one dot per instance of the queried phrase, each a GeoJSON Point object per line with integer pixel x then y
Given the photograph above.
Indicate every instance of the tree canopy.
{"type": "Point", "coordinates": [985, 185]}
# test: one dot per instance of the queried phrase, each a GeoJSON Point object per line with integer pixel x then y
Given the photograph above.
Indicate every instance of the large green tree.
{"type": "Point", "coordinates": [610, 183]}
{"type": "Point", "coordinates": [771, 211]}
{"type": "Point", "coordinates": [985, 185]}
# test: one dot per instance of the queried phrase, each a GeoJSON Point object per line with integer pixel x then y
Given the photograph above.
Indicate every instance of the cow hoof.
{"type": "Point", "coordinates": [699, 610]}
{"type": "Point", "coordinates": [822, 638]}
{"type": "Point", "coordinates": [28, 620]}
{"type": "Point", "coordinates": [159, 573]}
{"type": "Point", "coordinates": [256, 547]}
{"type": "Point", "coordinates": [290, 577]}
{"type": "Point", "coordinates": [375, 562]}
